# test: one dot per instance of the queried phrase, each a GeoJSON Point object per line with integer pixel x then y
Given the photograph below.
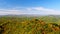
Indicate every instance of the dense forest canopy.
{"type": "Point", "coordinates": [29, 25]}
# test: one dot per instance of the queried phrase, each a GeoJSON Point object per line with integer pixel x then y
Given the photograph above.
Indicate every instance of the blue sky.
{"type": "Point", "coordinates": [30, 7]}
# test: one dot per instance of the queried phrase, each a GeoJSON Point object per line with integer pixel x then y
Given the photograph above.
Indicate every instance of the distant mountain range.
{"type": "Point", "coordinates": [30, 15]}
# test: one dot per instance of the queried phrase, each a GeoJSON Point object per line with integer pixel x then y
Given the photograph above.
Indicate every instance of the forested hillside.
{"type": "Point", "coordinates": [29, 25]}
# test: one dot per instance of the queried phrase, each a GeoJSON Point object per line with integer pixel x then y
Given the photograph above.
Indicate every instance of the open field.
{"type": "Point", "coordinates": [30, 25]}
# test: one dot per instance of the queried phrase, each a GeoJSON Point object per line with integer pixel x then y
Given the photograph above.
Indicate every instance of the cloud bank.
{"type": "Point", "coordinates": [30, 10]}
{"type": "Point", "coordinates": [44, 10]}
{"type": "Point", "coordinates": [7, 12]}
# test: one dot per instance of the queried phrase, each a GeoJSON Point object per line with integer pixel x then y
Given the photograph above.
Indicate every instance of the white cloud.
{"type": "Point", "coordinates": [40, 9]}
{"type": "Point", "coordinates": [30, 10]}
{"type": "Point", "coordinates": [5, 12]}
{"type": "Point", "coordinates": [45, 10]}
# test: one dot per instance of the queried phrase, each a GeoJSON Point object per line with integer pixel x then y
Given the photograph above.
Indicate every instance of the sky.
{"type": "Point", "coordinates": [41, 7]}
